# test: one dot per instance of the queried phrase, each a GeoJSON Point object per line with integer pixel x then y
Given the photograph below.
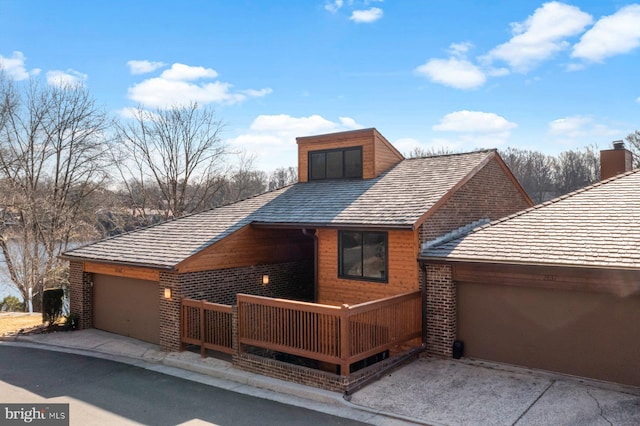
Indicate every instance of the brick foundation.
{"type": "Point", "coordinates": [312, 377]}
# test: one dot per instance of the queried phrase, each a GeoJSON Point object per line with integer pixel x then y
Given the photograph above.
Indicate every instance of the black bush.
{"type": "Point", "coordinates": [52, 305]}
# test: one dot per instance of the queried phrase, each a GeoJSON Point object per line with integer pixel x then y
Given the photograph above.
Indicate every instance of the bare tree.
{"type": "Point", "coordinates": [52, 142]}
{"type": "Point", "coordinates": [576, 169]}
{"type": "Point", "coordinates": [176, 151]}
{"type": "Point", "coordinates": [534, 170]}
{"type": "Point", "coordinates": [245, 181]}
{"type": "Point", "coordinates": [633, 139]}
{"type": "Point", "coordinates": [419, 152]}
{"type": "Point", "coordinates": [282, 176]}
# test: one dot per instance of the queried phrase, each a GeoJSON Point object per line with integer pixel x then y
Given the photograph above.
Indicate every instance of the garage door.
{"type": "Point", "coordinates": [580, 333]}
{"type": "Point", "coordinates": [127, 306]}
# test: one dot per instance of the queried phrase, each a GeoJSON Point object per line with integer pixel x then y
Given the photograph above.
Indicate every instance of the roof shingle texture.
{"type": "Point", "coordinates": [597, 226]}
{"type": "Point", "coordinates": [398, 197]}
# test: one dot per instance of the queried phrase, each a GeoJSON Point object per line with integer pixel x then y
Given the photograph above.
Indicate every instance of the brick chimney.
{"type": "Point", "coordinates": [615, 161]}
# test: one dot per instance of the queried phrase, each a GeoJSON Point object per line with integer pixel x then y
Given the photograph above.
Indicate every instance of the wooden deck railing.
{"type": "Point", "coordinates": [206, 324]}
{"type": "Point", "coordinates": [339, 335]}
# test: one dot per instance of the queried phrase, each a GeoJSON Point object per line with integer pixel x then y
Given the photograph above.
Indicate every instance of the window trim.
{"type": "Point", "coordinates": [342, 275]}
{"type": "Point", "coordinates": [326, 163]}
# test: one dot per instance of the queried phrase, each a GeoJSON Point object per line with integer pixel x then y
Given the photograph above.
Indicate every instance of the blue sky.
{"type": "Point", "coordinates": [461, 74]}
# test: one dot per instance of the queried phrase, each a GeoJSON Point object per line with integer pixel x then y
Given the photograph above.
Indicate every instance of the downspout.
{"type": "Point", "coordinates": [312, 234]}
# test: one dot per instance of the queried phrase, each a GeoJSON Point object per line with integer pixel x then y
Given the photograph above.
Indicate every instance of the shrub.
{"type": "Point", "coordinates": [71, 322]}
{"type": "Point", "coordinates": [11, 304]}
{"type": "Point", "coordinates": [52, 305]}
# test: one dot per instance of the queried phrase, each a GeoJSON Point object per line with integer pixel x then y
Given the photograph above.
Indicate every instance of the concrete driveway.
{"type": "Point", "coordinates": [448, 392]}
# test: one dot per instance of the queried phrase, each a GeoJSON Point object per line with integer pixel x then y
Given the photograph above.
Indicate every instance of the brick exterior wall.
{"type": "Point", "coordinates": [489, 194]}
{"type": "Point", "coordinates": [291, 280]}
{"type": "Point", "coordinates": [81, 295]}
{"type": "Point", "coordinates": [441, 310]}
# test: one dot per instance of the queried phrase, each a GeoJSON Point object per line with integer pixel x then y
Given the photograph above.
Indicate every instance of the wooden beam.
{"type": "Point", "coordinates": [122, 271]}
{"type": "Point", "coordinates": [612, 281]}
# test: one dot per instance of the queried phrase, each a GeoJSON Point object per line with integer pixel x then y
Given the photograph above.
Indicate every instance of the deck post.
{"type": "Point", "coordinates": [345, 340]}
{"type": "Point", "coordinates": [203, 350]}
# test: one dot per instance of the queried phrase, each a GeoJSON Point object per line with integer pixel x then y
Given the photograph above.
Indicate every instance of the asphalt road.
{"type": "Point", "coordinates": [102, 392]}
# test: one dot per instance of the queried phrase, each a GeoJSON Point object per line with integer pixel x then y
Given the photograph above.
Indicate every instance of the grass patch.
{"type": "Point", "coordinates": [15, 322]}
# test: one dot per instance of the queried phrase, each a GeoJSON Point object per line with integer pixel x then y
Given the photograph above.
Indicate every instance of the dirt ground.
{"type": "Point", "coordinates": [16, 321]}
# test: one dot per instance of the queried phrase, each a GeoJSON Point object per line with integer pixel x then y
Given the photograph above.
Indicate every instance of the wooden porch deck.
{"type": "Point", "coordinates": [340, 335]}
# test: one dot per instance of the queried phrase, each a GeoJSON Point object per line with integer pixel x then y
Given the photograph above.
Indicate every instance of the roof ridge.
{"type": "Point", "coordinates": [453, 154]}
{"type": "Point", "coordinates": [455, 234]}
{"type": "Point", "coordinates": [547, 203]}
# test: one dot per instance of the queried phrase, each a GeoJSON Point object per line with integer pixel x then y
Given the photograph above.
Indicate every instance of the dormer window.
{"type": "Point", "coordinates": [335, 163]}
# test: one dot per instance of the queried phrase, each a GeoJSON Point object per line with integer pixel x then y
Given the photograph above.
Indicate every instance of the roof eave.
{"type": "Point", "coordinates": [440, 259]}
{"type": "Point", "coordinates": [299, 225]}
{"type": "Point", "coordinates": [116, 262]}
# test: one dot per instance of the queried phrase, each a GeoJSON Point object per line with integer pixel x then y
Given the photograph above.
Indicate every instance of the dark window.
{"type": "Point", "coordinates": [363, 255]}
{"type": "Point", "coordinates": [335, 168]}
{"type": "Point", "coordinates": [335, 164]}
{"type": "Point", "coordinates": [318, 165]}
{"type": "Point", "coordinates": [353, 163]}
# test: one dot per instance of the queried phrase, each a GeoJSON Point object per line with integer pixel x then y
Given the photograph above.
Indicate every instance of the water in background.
{"type": "Point", "coordinates": [6, 288]}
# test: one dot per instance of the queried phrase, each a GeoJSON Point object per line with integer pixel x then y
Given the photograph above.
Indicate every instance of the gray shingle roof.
{"type": "Point", "coordinates": [597, 226]}
{"type": "Point", "coordinates": [397, 198]}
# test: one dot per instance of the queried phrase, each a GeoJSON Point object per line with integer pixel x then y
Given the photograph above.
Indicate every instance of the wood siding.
{"type": "Point", "coordinates": [403, 270]}
{"type": "Point", "coordinates": [122, 271]}
{"type": "Point", "coordinates": [386, 156]}
{"type": "Point", "coordinates": [377, 153]}
{"type": "Point", "coordinates": [620, 283]}
{"type": "Point", "coordinates": [251, 246]}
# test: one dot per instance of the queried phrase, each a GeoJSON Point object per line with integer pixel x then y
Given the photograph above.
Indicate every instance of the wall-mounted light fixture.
{"type": "Point", "coordinates": [167, 293]}
{"type": "Point", "coordinates": [265, 279]}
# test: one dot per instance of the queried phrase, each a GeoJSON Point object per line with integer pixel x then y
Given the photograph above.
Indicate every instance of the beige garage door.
{"type": "Point", "coordinates": [580, 333]}
{"type": "Point", "coordinates": [127, 306]}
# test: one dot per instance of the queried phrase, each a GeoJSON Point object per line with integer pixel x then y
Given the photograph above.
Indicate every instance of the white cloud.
{"type": "Point", "coordinates": [334, 6]}
{"type": "Point", "coordinates": [574, 67]}
{"type": "Point", "coordinates": [143, 67]}
{"type": "Point", "coordinates": [638, 100]}
{"type": "Point", "coordinates": [406, 145]}
{"type": "Point", "coordinates": [475, 128]}
{"type": "Point", "coordinates": [540, 36]}
{"type": "Point", "coordinates": [473, 122]}
{"type": "Point", "coordinates": [273, 137]}
{"type": "Point", "coordinates": [611, 35]}
{"type": "Point", "coordinates": [366, 16]}
{"type": "Point", "coordinates": [136, 113]}
{"type": "Point", "coordinates": [14, 67]}
{"type": "Point", "coordinates": [69, 77]}
{"type": "Point", "coordinates": [181, 84]}
{"type": "Point", "coordinates": [458, 73]}
{"type": "Point", "coordinates": [579, 129]}
{"type": "Point", "coordinates": [257, 93]}
{"type": "Point", "coordinates": [497, 72]}
{"type": "Point", "coordinates": [459, 50]}
{"type": "Point", "coordinates": [181, 72]}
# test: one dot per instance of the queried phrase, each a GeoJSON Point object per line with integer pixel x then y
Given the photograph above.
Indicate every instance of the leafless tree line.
{"type": "Point", "coordinates": [70, 174]}
{"type": "Point", "coordinates": [545, 176]}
